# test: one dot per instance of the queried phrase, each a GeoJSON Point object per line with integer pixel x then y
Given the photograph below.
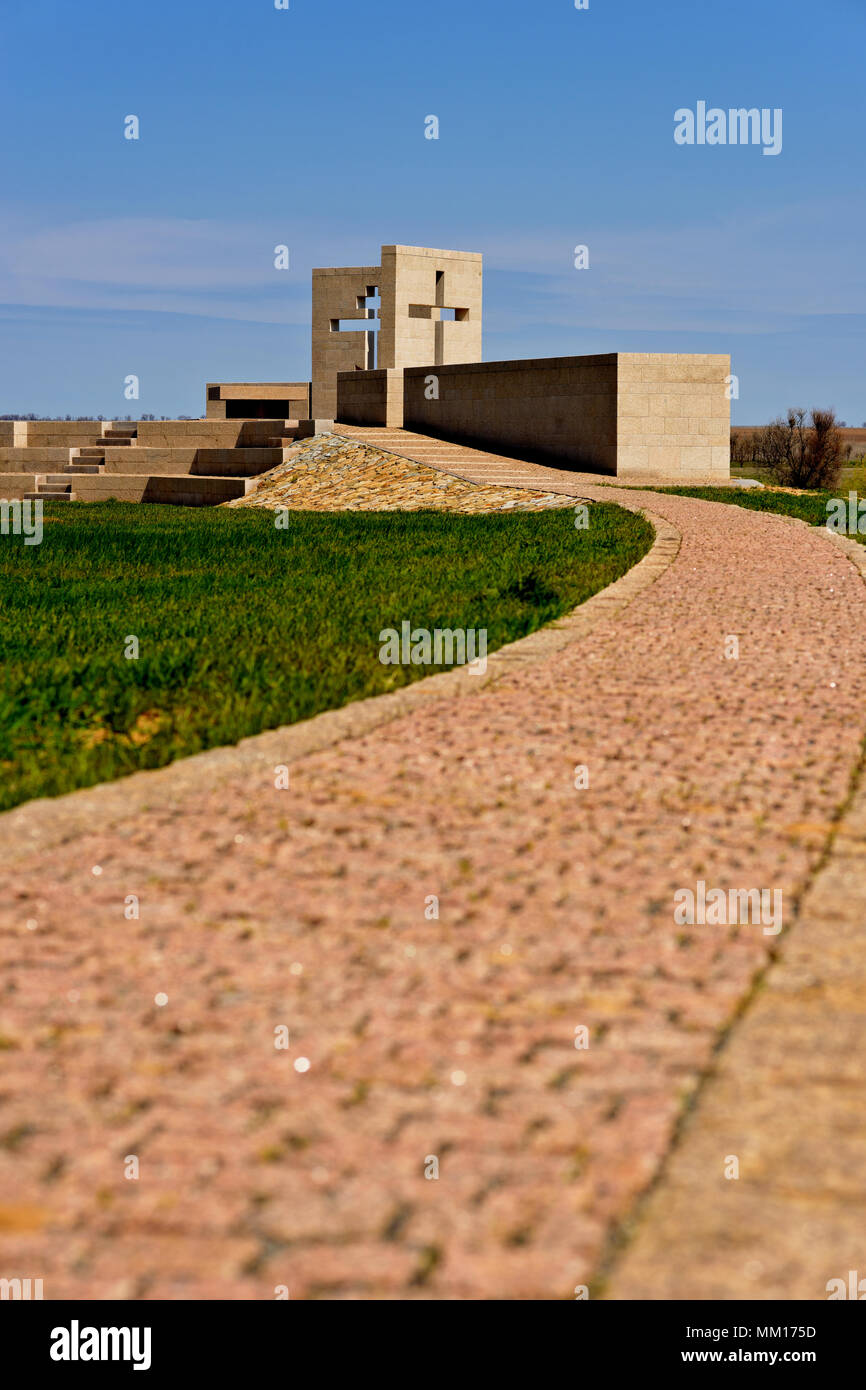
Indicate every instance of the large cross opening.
{"type": "Point", "coordinates": [368, 306]}
{"type": "Point", "coordinates": [441, 313]}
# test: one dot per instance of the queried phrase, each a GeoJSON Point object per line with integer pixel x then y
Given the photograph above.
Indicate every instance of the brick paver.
{"type": "Point", "coordinates": [452, 1038]}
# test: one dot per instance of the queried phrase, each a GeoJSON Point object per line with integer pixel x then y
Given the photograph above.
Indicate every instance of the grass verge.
{"type": "Point", "coordinates": [809, 506]}
{"type": "Point", "coordinates": [242, 627]}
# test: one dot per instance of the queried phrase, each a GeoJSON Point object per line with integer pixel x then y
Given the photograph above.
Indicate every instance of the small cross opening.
{"type": "Point", "coordinates": [368, 306]}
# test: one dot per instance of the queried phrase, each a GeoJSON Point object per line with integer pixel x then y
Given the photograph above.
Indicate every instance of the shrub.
{"type": "Point", "coordinates": [802, 452]}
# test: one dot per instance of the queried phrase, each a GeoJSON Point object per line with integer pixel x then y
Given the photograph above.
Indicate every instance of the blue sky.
{"type": "Point", "coordinates": [305, 127]}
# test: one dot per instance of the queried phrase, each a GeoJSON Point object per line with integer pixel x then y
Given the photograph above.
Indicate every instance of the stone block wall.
{"type": "Point", "coordinates": [371, 398]}
{"type": "Point", "coordinates": [561, 408]}
{"type": "Point", "coordinates": [673, 415]}
{"type": "Point", "coordinates": [429, 311]}
{"type": "Point", "coordinates": [419, 283]}
{"type": "Point", "coordinates": [251, 399]}
{"type": "Point", "coordinates": [635, 416]}
{"type": "Point", "coordinates": [336, 295]}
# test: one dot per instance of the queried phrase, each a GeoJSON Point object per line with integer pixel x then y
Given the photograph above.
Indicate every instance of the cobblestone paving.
{"type": "Point", "coordinates": [332, 473]}
{"type": "Point", "coordinates": [785, 1101]}
{"type": "Point", "coordinates": [413, 1039]}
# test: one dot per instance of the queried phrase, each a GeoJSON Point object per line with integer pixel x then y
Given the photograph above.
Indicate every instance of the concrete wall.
{"type": "Point", "coordinates": [336, 292]}
{"type": "Point", "coordinates": [69, 434]}
{"type": "Point", "coordinates": [180, 490]}
{"type": "Point", "coordinates": [14, 485]}
{"type": "Point", "coordinates": [194, 492]}
{"type": "Point", "coordinates": [415, 283]}
{"type": "Point", "coordinates": [120, 459]}
{"type": "Point", "coordinates": [54, 438]}
{"type": "Point", "coordinates": [210, 462]}
{"type": "Point", "coordinates": [206, 434]}
{"type": "Point", "coordinates": [635, 415]}
{"type": "Point", "coordinates": [562, 408]}
{"type": "Point", "coordinates": [220, 393]}
{"type": "Point", "coordinates": [418, 282]}
{"type": "Point", "coordinates": [32, 460]}
{"type": "Point", "coordinates": [234, 463]}
{"type": "Point", "coordinates": [673, 416]}
{"type": "Point", "coordinates": [371, 398]}
{"type": "Point", "coordinates": [185, 462]}
{"type": "Point", "coordinates": [13, 434]}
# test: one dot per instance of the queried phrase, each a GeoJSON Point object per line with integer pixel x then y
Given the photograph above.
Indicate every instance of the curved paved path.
{"type": "Point", "coordinates": [453, 1038]}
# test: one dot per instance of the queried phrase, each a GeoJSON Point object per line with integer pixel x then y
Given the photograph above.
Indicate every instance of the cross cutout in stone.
{"type": "Point", "coordinates": [368, 306]}
{"type": "Point", "coordinates": [440, 313]}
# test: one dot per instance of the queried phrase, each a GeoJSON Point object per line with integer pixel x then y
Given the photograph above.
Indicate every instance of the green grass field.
{"type": "Point", "coordinates": [242, 627]}
{"type": "Point", "coordinates": [810, 507]}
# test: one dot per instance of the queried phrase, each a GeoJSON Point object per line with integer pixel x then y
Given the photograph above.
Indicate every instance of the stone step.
{"type": "Point", "coordinates": [84, 467]}
{"type": "Point", "coordinates": [115, 439]}
{"type": "Point", "coordinates": [89, 452]}
{"type": "Point", "coordinates": [50, 494]}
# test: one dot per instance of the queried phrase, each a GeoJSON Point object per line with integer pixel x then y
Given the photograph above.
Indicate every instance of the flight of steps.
{"type": "Point", "coordinates": [461, 460]}
{"type": "Point", "coordinates": [57, 487]}
{"type": "Point", "coordinates": [120, 434]}
{"type": "Point", "coordinates": [51, 487]}
{"type": "Point", "coordinates": [87, 458]}
{"type": "Point", "coordinates": [90, 458]}
{"type": "Point", "coordinates": [283, 441]}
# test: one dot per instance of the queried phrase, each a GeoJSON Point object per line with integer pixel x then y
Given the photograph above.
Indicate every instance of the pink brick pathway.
{"type": "Point", "coordinates": [449, 1038]}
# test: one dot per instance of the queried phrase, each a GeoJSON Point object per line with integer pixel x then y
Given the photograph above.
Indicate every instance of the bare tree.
{"type": "Point", "coordinates": [800, 451]}
{"type": "Point", "coordinates": [742, 448]}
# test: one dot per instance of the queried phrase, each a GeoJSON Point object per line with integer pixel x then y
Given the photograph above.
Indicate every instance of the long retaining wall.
{"type": "Point", "coordinates": [372, 398]}
{"type": "Point", "coordinates": [241, 463]}
{"type": "Point", "coordinates": [631, 415]}
{"type": "Point", "coordinates": [561, 407]}
{"type": "Point", "coordinates": [166, 434]}
{"type": "Point", "coordinates": [14, 485]}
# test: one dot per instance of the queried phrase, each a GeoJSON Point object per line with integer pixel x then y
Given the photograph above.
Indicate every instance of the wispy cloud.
{"type": "Point", "coordinates": [180, 265]}
{"type": "Point", "coordinates": [733, 274]}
